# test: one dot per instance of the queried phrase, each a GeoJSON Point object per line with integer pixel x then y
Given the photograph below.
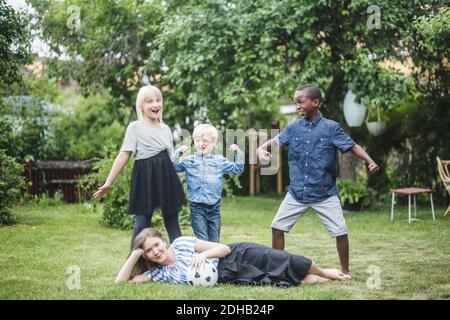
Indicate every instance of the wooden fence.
{"type": "Point", "coordinates": [56, 176]}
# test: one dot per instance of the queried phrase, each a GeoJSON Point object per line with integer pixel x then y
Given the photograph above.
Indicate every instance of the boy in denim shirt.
{"type": "Point", "coordinates": [204, 172]}
{"type": "Point", "coordinates": [313, 141]}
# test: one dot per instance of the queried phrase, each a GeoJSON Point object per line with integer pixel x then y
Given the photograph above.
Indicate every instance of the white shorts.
{"type": "Point", "coordinates": [329, 211]}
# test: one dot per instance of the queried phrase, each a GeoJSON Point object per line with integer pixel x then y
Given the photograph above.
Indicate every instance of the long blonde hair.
{"type": "Point", "coordinates": [143, 94]}
{"type": "Point", "coordinates": [143, 264]}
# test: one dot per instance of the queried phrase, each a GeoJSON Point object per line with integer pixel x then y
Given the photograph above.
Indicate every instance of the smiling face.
{"type": "Point", "coordinates": [205, 138]}
{"type": "Point", "coordinates": [152, 106]}
{"type": "Point", "coordinates": [306, 106]}
{"type": "Point", "coordinates": [155, 249]}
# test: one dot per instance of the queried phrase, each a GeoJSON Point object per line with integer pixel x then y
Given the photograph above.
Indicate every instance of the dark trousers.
{"type": "Point", "coordinates": [170, 223]}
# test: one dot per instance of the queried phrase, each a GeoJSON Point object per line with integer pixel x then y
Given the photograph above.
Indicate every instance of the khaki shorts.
{"type": "Point", "coordinates": [329, 211]}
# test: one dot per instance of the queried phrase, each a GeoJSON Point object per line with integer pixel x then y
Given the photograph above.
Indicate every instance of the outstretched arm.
{"type": "Point", "coordinates": [120, 162]}
{"type": "Point", "coordinates": [208, 250]}
{"type": "Point", "coordinates": [262, 152]}
{"type": "Point", "coordinates": [268, 143]}
{"type": "Point", "coordinates": [362, 154]}
{"type": "Point", "coordinates": [125, 271]}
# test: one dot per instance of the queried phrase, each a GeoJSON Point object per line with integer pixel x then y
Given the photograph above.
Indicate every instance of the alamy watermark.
{"type": "Point", "coordinates": [374, 280]}
{"type": "Point", "coordinates": [255, 138]}
{"type": "Point", "coordinates": [73, 22]}
{"type": "Point", "coordinates": [374, 20]}
{"type": "Point", "coordinates": [74, 277]}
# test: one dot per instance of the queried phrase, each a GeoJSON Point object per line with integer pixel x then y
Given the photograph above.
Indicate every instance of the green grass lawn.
{"type": "Point", "coordinates": [413, 259]}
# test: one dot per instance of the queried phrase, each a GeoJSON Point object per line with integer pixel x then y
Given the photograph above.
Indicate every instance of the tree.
{"type": "Point", "coordinates": [418, 126]}
{"type": "Point", "coordinates": [105, 43]}
{"type": "Point", "coordinates": [14, 44]}
{"type": "Point", "coordinates": [230, 62]}
{"type": "Point", "coordinates": [432, 32]}
{"type": "Point", "coordinates": [426, 120]}
{"type": "Point", "coordinates": [238, 59]}
{"type": "Point", "coordinates": [25, 126]}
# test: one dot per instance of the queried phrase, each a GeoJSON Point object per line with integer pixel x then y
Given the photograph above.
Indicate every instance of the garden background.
{"type": "Point", "coordinates": [233, 64]}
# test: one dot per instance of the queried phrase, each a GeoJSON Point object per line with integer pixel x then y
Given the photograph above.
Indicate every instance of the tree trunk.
{"type": "Point", "coordinates": [347, 165]}
{"type": "Point", "coordinates": [334, 96]}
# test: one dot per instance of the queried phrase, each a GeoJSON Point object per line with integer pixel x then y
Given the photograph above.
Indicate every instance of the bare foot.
{"type": "Point", "coordinates": [335, 274]}
{"type": "Point", "coordinates": [313, 279]}
{"type": "Point", "coordinates": [347, 274]}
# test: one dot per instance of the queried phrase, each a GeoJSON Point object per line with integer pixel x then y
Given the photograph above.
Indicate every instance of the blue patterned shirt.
{"type": "Point", "coordinates": [312, 157]}
{"type": "Point", "coordinates": [184, 248]}
{"type": "Point", "coordinates": [204, 175]}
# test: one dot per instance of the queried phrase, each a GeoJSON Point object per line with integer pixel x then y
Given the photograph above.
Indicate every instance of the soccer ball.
{"type": "Point", "coordinates": [205, 276]}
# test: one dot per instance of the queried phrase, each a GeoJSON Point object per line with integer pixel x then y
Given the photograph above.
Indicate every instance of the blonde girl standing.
{"type": "Point", "coordinates": [154, 182]}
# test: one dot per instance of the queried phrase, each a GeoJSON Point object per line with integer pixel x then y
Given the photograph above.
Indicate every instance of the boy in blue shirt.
{"type": "Point", "coordinates": [204, 172]}
{"type": "Point", "coordinates": [313, 141]}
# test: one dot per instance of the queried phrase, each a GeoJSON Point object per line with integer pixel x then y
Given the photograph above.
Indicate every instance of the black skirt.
{"type": "Point", "coordinates": [255, 264]}
{"type": "Point", "coordinates": [155, 184]}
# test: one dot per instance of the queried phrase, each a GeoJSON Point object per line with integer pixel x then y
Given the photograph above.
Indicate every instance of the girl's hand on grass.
{"type": "Point", "coordinates": [101, 191]}
{"type": "Point", "coordinates": [198, 261]}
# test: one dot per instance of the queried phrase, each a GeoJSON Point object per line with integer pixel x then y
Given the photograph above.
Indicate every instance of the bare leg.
{"type": "Point", "coordinates": [313, 279]}
{"type": "Point", "coordinates": [343, 251]}
{"type": "Point", "coordinates": [318, 275]}
{"type": "Point", "coordinates": [277, 239]}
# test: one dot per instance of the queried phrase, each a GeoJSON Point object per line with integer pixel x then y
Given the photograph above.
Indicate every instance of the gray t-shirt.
{"type": "Point", "coordinates": [145, 141]}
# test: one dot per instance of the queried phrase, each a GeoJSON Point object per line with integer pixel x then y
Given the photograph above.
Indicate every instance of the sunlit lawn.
{"type": "Point", "coordinates": [413, 259]}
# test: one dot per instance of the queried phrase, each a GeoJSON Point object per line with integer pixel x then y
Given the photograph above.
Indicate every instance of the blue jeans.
{"type": "Point", "coordinates": [205, 221]}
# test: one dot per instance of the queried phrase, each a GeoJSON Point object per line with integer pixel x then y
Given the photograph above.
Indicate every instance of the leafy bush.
{"type": "Point", "coordinates": [230, 183]}
{"type": "Point", "coordinates": [44, 122]}
{"type": "Point", "coordinates": [350, 191]}
{"type": "Point", "coordinates": [115, 203]}
{"type": "Point", "coordinates": [44, 199]}
{"type": "Point", "coordinates": [12, 186]}
{"type": "Point", "coordinates": [84, 126]}
{"type": "Point", "coordinates": [375, 199]}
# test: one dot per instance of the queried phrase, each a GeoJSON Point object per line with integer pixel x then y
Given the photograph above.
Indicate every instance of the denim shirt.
{"type": "Point", "coordinates": [312, 157]}
{"type": "Point", "coordinates": [204, 175]}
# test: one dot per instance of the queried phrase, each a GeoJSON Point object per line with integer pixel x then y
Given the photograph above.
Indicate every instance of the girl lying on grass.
{"type": "Point", "coordinates": [237, 263]}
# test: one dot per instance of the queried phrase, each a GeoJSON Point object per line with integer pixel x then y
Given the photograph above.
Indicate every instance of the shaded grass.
{"type": "Point", "coordinates": [413, 259]}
